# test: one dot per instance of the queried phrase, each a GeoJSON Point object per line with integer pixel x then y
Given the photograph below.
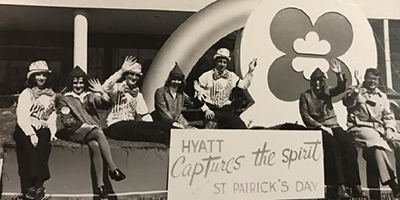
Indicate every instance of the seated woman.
{"type": "Point", "coordinates": [129, 118]}
{"type": "Point", "coordinates": [340, 156]}
{"type": "Point", "coordinates": [79, 115]}
{"type": "Point", "coordinates": [170, 99]}
{"type": "Point", "coordinates": [36, 126]}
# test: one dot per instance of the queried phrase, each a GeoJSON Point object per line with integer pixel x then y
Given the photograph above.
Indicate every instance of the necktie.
{"type": "Point", "coordinates": [217, 75]}
{"type": "Point", "coordinates": [134, 92]}
{"type": "Point", "coordinates": [38, 92]}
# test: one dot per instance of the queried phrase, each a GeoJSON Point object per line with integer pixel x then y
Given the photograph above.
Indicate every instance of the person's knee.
{"type": "Point", "coordinates": [97, 133]}
{"type": "Point", "coordinates": [94, 144]}
{"type": "Point", "coordinates": [372, 153]}
{"type": "Point", "coordinates": [379, 153]}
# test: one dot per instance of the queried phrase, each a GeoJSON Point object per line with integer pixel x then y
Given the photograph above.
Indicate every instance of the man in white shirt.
{"type": "Point", "coordinates": [129, 118]}
{"type": "Point", "coordinates": [214, 89]}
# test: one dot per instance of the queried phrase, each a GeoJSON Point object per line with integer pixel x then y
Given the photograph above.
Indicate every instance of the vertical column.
{"type": "Point", "coordinates": [388, 64]}
{"type": "Point", "coordinates": [80, 39]}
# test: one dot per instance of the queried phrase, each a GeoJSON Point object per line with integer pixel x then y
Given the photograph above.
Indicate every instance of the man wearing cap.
{"type": "Point", "coordinates": [129, 118]}
{"type": "Point", "coordinates": [170, 99]}
{"type": "Point", "coordinates": [372, 124]}
{"type": "Point", "coordinates": [214, 88]}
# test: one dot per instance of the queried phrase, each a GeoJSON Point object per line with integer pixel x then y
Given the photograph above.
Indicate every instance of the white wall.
{"type": "Point", "coordinates": [172, 5]}
{"type": "Point", "coordinates": [372, 8]}
{"type": "Point", "coordinates": [380, 9]}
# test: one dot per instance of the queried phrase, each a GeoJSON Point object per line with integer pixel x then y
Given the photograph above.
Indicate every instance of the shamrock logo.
{"type": "Point", "coordinates": [306, 46]}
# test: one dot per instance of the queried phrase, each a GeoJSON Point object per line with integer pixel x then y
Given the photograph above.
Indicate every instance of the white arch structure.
{"type": "Point", "coordinates": [193, 38]}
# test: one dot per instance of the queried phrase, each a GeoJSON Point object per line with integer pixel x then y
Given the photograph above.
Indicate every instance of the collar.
{"type": "Point", "coordinates": [36, 92]}
{"type": "Point", "coordinates": [217, 75]}
{"type": "Point", "coordinates": [377, 91]}
{"type": "Point", "coordinates": [125, 89]}
{"type": "Point", "coordinates": [81, 97]}
{"type": "Point", "coordinates": [171, 93]}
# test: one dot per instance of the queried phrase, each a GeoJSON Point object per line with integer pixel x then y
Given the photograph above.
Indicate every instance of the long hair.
{"type": "Point", "coordinates": [180, 88]}
{"type": "Point", "coordinates": [77, 72]}
{"type": "Point", "coordinates": [31, 81]}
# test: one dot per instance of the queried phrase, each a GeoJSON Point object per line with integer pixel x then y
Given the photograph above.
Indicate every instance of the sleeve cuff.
{"type": "Point", "coordinates": [205, 108]}
{"type": "Point", "coordinates": [391, 127]}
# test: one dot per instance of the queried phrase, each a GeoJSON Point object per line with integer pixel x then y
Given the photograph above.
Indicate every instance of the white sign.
{"type": "Point", "coordinates": [245, 165]}
{"type": "Point", "coordinates": [292, 38]}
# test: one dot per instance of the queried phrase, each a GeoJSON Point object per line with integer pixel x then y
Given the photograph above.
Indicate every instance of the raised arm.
{"type": "Point", "coordinates": [341, 81]}
{"type": "Point", "coordinates": [100, 97]}
{"type": "Point", "coordinates": [246, 81]}
{"type": "Point", "coordinates": [109, 85]}
{"type": "Point", "coordinates": [350, 97]}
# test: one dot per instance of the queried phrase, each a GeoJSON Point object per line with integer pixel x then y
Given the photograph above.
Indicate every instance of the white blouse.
{"type": "Point", "coordinates": [36, 112]}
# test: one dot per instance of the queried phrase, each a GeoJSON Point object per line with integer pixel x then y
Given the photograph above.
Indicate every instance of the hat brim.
{"type": "Point", "coordinates": [180, 76]}
{"type": "Point", "coordinates": [221, 56]}
{"type": "Point", "coordinates": [37, 71]}
{"type": "Point", "coordinates": [134, 72]}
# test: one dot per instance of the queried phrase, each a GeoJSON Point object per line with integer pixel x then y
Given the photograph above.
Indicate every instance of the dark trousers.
{"type": "Point", "coordinates": [340, 158]}
{"type": "Point", "coordinates": [158, 131]}
{"type": "Point", "coordinates": [33, 168]}
{"type": "Point", "coordinates": [226, 119]}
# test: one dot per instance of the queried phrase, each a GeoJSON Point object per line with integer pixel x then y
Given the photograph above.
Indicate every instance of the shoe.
{"type": "Point", "coordinates": [396, 192]}
{"type": "Point", "coordinates": [358, 192]}
{"type": "Point", "coordinates": [117, 175]}
{"type": "Point", "coordinates": [395, 188]}
{"type": "Point", "coordinates": [103, 192]}
{"type": "Point", "coordinates": [31, 194]}
{"type": "Point", "coordinates": [40, 193]}
{"type": "Point", "coordinates": [342, 193]}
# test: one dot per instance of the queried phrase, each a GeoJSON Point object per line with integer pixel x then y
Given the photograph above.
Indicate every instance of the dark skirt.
{"type": "Point", "coordinates": [78, 136]}
{"type": "Point", "coordinates": [158, 131]}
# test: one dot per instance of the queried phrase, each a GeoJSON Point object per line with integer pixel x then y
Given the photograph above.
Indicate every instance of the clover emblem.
{"type": "Point", "coordinates": [306, 46]}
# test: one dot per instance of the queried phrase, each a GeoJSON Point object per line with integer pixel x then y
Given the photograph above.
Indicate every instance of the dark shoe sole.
{"type": "Point", "coordinates": [119, 178]}
{"type": "Point", "coordinates": [360, 196]}
{"type": "Point", "coordinates": [114, 177]}
{"type": "Point", "coordinates": [396, 195]}
{"type": "Point", "coordinates": [344, 196]}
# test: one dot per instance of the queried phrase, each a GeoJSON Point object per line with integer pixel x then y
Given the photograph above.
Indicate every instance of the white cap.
{"type": "Point", "coordinates": [38, 66]}
{"type": "Point", "coordinates": [223, 52]}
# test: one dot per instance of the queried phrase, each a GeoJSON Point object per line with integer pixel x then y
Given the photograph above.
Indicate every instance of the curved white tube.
{"type": "Point", "coordinates": [193, 38]}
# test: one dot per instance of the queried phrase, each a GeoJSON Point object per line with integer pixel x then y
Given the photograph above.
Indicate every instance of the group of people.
{"type": "Point", "coordinates": [371, 124]}
{"type": "Point", "coordinates": [129, 118]}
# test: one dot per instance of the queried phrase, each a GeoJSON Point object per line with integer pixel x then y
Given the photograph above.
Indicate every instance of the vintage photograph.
{"type": "Point", "coordinates": [199, 99]}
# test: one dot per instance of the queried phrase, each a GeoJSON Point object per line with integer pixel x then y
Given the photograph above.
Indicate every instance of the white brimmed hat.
{"type": "Point", "coordinates": [137, 69]}
{"type": "Point", "coordinates": [38, 66]}
{"type": "Point", "coordinates": [224, 53]}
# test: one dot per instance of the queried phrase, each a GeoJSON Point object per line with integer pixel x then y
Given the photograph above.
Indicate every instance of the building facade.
{"type": "Point", "coordinates": [97, 35]}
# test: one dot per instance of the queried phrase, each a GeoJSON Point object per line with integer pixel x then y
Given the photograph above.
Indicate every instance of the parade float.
{"type": "Point", "coordinates": [289, 38]}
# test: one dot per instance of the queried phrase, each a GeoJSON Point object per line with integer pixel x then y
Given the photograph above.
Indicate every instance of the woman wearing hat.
{"type": "Point", "coordinates": [129, 118]}
{"type": "Point", "coordinates": [79, 115]}
{"type": "Point", "coordinates": [214, 89]}
{"type": "Point", "coordinates": [170, 99]}
{"type": "Point", "coordinates": [36, 126]}
{"type": "Point", "coordinates": [340, 156]}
